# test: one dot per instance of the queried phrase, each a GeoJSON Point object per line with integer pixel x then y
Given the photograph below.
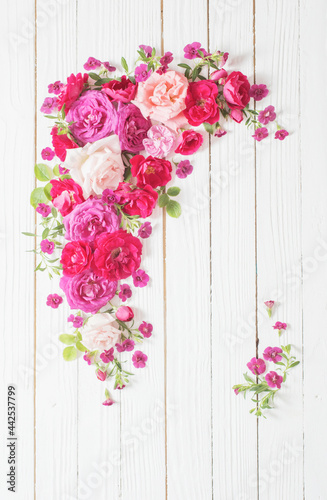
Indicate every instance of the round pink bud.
{"type": "Point", "coordinates": [124, 313]}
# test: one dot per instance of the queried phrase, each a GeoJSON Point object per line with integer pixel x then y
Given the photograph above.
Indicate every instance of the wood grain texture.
{"type": "Point", "coordinates": [233, 272]}
{"type": "Point", "coordinates": [253, 228]}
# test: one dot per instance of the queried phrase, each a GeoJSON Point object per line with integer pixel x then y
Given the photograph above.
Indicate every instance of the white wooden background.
{"type": "Point", "coordinates": [254, 228]}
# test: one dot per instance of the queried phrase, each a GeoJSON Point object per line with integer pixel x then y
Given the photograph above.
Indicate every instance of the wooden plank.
{"type": "Point", "coordinates": [130, 435]}
{"type": "Point", "coordinates": [233, 271]}
{"type": "Point", "coordinates": [313, 45]}
{"type": "Point", "coordinates": [279, 243]}
{"type": "Point", "coordinates": [17, 277]}
{"type": "Point", "coordinates": [188, 297]}
{"type": "Point", "coordinates": [56, 380]}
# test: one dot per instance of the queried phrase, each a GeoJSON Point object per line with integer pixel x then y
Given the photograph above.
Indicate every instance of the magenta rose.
{"type": "Point", "coordinates": [151, 171]}
{"type": "Point", "coordinates": [136, 201]}
{"type": "Point", "coordinates": [93, 117]}
{"type": "Point", "coordinates": [117, 255]}
{"type": "Point", "coordinates": [65, 194]}
{"type": "Point", "coordinates": [72, 90]}
{"type": "Point", "coordinates": [90, 219]}
{"type": "Point", "coordinates": [121, 91]}
{"type": "Point", "coordinates": [88, 291]}
{"type": "Point", "coordinates": [131, 128]}
{"type": "Point", "coordinates": [61, 142]}
{"type": "Point", "coordinates": [190, 142]}
{"type": "Point", "coordinates": [201, 105]}
{"type": "Point", "coordinates": [236, 90]}
{"type": "Point", "coordinates": [76, 257]}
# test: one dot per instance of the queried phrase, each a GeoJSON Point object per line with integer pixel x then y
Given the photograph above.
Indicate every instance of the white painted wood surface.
{"type": "Point", "coordinates": [254, 228]}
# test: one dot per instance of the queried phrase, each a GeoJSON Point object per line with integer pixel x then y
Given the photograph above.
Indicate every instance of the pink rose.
{"type": "Point", "coordinates": [124, 313]}
{"type": "Point", "coordinates": [218, 74]}
{"type": "Point", "coordinates": [190, 142]}
{"type": "Point", "coordinates": [76, 257]}
{"type": "Point", "coordinates": [236, 90]}
{"type": "Point", "coordinates": [150, 171]}
{"type": "Point", "coordinates": [96, 166]}
{"type": "Point", "coordinates": [100, 333]}
{"type": "Point", "coordinates": [159, 142]}
{"type": "Point", "coordinates": [136, 201]}
{"type": "Point", "coordinates": [162, 98]}
{"type": "Point", "coordinates": [121, 91]}
{"type": "Point", "coordinates": [201, 105]}
{"type": "Point", "coordinates": [65, 195]}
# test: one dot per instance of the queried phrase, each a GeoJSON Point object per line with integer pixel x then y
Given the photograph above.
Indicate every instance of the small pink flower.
{"type": "Point", "coordinates": [269, 304]}
{"type": "Point", "coordinates": [88, 358]}
{"type": "Point", "coordinates": [76, 320]}
{"type": "Point", "coordinates": [47, 154]}
{"type": "Point", "coordinates": [109, 197]}
{"type": "Point", "coordinates": [142, 73]}
{"type": "Point", "coordinates": [280, 327]}
{"type": "Point", "coordinates": [108, 402]}
{"type": "Point", "coordinates": [267, 115]}
{"type": "Point", "coordinates": [191, 50]}
{"type": "Point", "coordinates": [146, 329]}
{"type": "Point", "coordinates": [145, 230]}
{"type": "Point", "coordinates": [220, 132]}
{"type": "Point", "coordinates": [120, 347]}
{"type": "Point", "coordinates": [129, 345]}
{"type": "Point", "coordinates": [139, 359]}
{"type": "Point", "coordinates": [120, 387]}
{"type": "Point", "coordinates": [236, 391]}
{"type": "Point", "coordinates": [108, 67]}
{"type": "Point", "coordinates": [54, 300]}
{"type": "Point", "coordinates": [166, 59]}
{"type": "Point", "coordinates": [147, 49]}
{"type": "Point", "coordinates": [274, 380]}
{"type": "Point", "coordinates": [184, 168]}
{"type": "Point", "coordinates": [63, 170]}
{"type": "Point", "coordinates": [140, 278]}
{"type": "Point", "coordinates": [91, 64]}
{"type": "Point", "coordinates": [273, 354]}
{"type": "Point", "coordinates": [107, 356]}
{"type": "Point", "coordinates": [55, 88]}
{"type": "Point", "coordinates": [47, 246]}
{"type": "Point", "coordinates": [258, 92]}
{"type": "Point", "coordinates": [124, 313]}
{"type": "Point", "coordinates": [101, 375]}
{"type": "Point", "coordinates": [125, 292]}
{"type": "Point", "coordinates": [260, 133]}
{"type": "Point", "coordinates": [49, 104]}
{"type": "Point", "coordinates": [43, 209]}
{"type": "Point", "coordinates": [281, 134]}
{"type": "Point", "coordinates": [257, 366]}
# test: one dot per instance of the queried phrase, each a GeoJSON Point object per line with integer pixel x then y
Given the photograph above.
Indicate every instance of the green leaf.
{"type": "Point", "coordinates": [70, 353]}
{"type": "Point", "coordinates": [56, 170]}
{"type": "Point", "coordinates": [183, 65]}
{"type": "Point", "coordinates": [163, 200]}
{"type": "Point", "coordinates": [54, 212]}
{"type": "Point", "coordinates": [196, 73]}
{"type": "Point", "coordinates": [38, 196]}
{"type": "Point", "coordinates": [94, 76]}
{"type": "Point", "coordinates": [43, 172]}
{"type": "Point", "coordinates": [174, 191]}
{"type": "Point", "coordinates": [67, 339]}
{"type": "Point", "coordinates": [47, 190]}
{"type": "Point", "coordinates": [29, 234]}
{"type": "Point", "coordinates": [295, 364]}
{"type": "Point", "coordinates": [127, 174]}
{"type": "Point", "coordinates": [45, 233]}
{"type": "Point", "coordinates": [247, 378]}
{"type": "Point", "coordinates": [80, 346]}
{"type": "Point", "coordinates": [124, 64]}
{"type": "Point", "coordinates": [209, 128]}
{"type": "Point", "coordinates": [174, 209]}
{"type": "Point", "coordinates": [79, 335]}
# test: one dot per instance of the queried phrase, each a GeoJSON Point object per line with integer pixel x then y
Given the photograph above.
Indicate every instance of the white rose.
{"type": "Point", "coordinates": [100, 333]}
{"type": "Point", "coordinates": [97, 166]}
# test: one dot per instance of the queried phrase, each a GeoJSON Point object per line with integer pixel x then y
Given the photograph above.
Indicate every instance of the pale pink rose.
{"type": "Point", "coordinates": [160, 141]}
{"type": "Point", "coordinates": [162, 98]}
{"type": "Point", "coordinates": [97, 166]}
{"type": "Point", "coordinates": [100, 333]}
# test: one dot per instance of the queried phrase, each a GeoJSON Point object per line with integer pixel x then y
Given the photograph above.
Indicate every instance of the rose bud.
{"type": "Point", "coordinates": [101, 375]}
{"type": "Point", "coordinates": [124, 313]}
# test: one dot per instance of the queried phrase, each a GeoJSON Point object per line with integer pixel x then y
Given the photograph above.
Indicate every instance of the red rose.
{"type": "Point", "coordinates": [190, 142]}
{"type": "Point", "coordinates": [236, 90]}
{"type": "Point", "coordinates": [61, 143]}
{"type": "Point", "coordinates": [123, 91]}
{"type": "Point", "coordinates": [65, 195]}
{"type": "Point", "coordinates": [76, 257]}
{"type": "Point", "coordinates": [117, 255]}
{"type": "Point", "coordinates": [72, 90]}
{"type": "Point", "coordinates": [201, 105]}
{"type": "Point", "coordinates": [152, 171]}
{"type": "Point", "coordinates": [136, 201]}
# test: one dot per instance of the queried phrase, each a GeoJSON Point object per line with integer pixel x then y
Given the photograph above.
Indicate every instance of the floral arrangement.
{"type": "Point", "coordinates": [118, 140]}
{"type": "Point", "coordinates": [264, 389]}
